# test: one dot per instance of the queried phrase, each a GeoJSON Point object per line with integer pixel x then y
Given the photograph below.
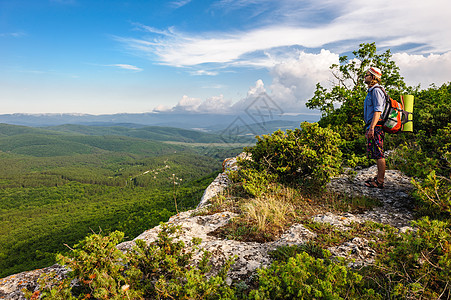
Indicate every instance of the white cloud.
{"type": "Point", "coordinates": [253, 92]}
{"type": "Point", "coordinates": [126, 67]}
{"type": "Point", "coordinates": [204, 72]}
{"type": "Point", "coordinates": [179, 3]}
{"type": "Point", "coordinates": [409, 25]}
{"type": "Point", "coordinates": [162, 108]}
{"type": "Point", "coordinates": [389, 23]}
{"type": "Point", "coordinates": [188, 104]}
{"type": "Point", "coordinates": [149, 29]}
{"type": "Point", "coordinates": [215, 105]}
{"type": "Point", "coordinates": [12, 34]}
{"type": "Point", "coordinates": [424, 70]}
{"type": "Point", "coordinates": [294, 80]}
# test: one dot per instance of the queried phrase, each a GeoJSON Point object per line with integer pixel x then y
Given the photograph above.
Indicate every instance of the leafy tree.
{"type": "Point", "coordinates": [349, 90]}
{"type": "Point", "coordinates": [342, 104]}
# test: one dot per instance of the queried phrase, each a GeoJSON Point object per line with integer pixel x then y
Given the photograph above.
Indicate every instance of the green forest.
{"type": "Point", "coordinates": [59, 184]}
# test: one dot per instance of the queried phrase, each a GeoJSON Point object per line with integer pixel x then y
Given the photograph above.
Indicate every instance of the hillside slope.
{"type": "Point", "coordinates": [393, 211]}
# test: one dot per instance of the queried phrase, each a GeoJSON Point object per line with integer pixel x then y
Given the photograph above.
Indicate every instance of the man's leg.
{"type": "Point", "coordinates": [380, 169]}
{"type": "Point", "coordinates": [375, 150]}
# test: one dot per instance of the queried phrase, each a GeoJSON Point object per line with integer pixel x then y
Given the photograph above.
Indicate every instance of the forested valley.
{"type": "Point", "coordinates": [59, 184]}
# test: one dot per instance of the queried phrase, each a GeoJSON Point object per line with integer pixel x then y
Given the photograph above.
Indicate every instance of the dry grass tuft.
{"type": "Point", "coordinates": [268, 210]}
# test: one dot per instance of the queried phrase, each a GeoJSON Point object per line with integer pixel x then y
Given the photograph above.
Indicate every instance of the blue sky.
{"type": "Point", "coordinates": [97, 57]}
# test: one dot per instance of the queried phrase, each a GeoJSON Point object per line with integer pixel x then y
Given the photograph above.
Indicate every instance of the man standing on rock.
{"type": "Point", "coordinates": [373, 108]}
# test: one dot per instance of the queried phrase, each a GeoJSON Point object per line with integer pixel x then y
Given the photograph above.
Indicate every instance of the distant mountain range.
{"type": "Point", "coordinates": [145, 119]}
{"type": "Point", "coordinates": [221, 124]}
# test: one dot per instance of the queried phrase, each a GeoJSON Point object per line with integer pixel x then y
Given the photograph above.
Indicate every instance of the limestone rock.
{"type": "Point", "coordinates": [222, 180]}
{"type": "Point", "coordinates": [249, 255]}
{"type": "Point", "coordinates": [215, 188]}
{"type": "Point", "coordinates": [396, 208]}
{"type": "Point", "coordinates": [356, 249]}
{"type": "Point", "coordinates": [341, 221]}
{"type": "Point", "coordinates": [11, 287]}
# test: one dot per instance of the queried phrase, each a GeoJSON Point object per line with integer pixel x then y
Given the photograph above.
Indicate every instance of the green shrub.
{"type": "Point", "coordinates": [432, 110]}
{"type": "Point", "coordinates": [425, 153]}
{"type": "Point", "coordinates": [98, 268]}
{"type": "Point", "coordinates": [435, 192]}
{"type": "Point", "coordinates": [419, 265]}
{"type": "Point", "coordinates": [165, 269]}
{"type": "Point", "coordinates": [169, 272]}
{"type": "Point", "coordinates": [412, 160]}
{"type": "Point", "coordinates": [438, 146]}
{"type": "Point", "coordinates": [306, 277]}
{"type": "Point", "coordinates": [310, 154]}
{"type": "Point", "coordinates": [352, 160]}
{"type": "Point", "coordinates": [255, 182]}
{"type": "Point", "coordinates": [283, 253]}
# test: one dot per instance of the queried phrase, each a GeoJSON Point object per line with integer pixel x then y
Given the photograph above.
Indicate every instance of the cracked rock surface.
{"type": "Point", "coordinates": [11, 287]}
{"type": "Point", "coordinates": [249, 255]}
{"type": "Point", "coordinates": [396, 208]}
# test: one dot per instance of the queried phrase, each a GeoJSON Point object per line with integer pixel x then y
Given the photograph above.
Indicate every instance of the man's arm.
{"type": "Point", "coordinates": [370, 132]}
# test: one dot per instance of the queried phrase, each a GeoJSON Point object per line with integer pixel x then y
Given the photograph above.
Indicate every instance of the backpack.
{"type": "Point", "coordinates": [394, 116]}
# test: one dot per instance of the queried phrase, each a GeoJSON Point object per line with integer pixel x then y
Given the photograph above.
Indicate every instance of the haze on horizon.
{"type": "Point", "coordinates": [106, 57]}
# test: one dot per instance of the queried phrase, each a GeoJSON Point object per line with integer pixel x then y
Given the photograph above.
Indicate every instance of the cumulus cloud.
{"type": "Point", "coordinates": [424, 70]}
{"type": "Point", "coordinates": [293, 83]}
{"type": "Point", "coordinates": [188, 104]}
{"type": "Point", "coordinates": [162, 108]}
{"type": "Point", "coordinates": [294, 80]}
{"type": "Point", "coordinates": [253, 93]}
{"type": "Point", "coordinates": [213, 105]}
{"type": "Point", "coordinates": [204, 72]}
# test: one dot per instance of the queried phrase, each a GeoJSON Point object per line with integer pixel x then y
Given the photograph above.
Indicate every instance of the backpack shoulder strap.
{"type": "Point", "coordinates": [385, 112]}
{"type": "Point", "coordinates": [382, 89]}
